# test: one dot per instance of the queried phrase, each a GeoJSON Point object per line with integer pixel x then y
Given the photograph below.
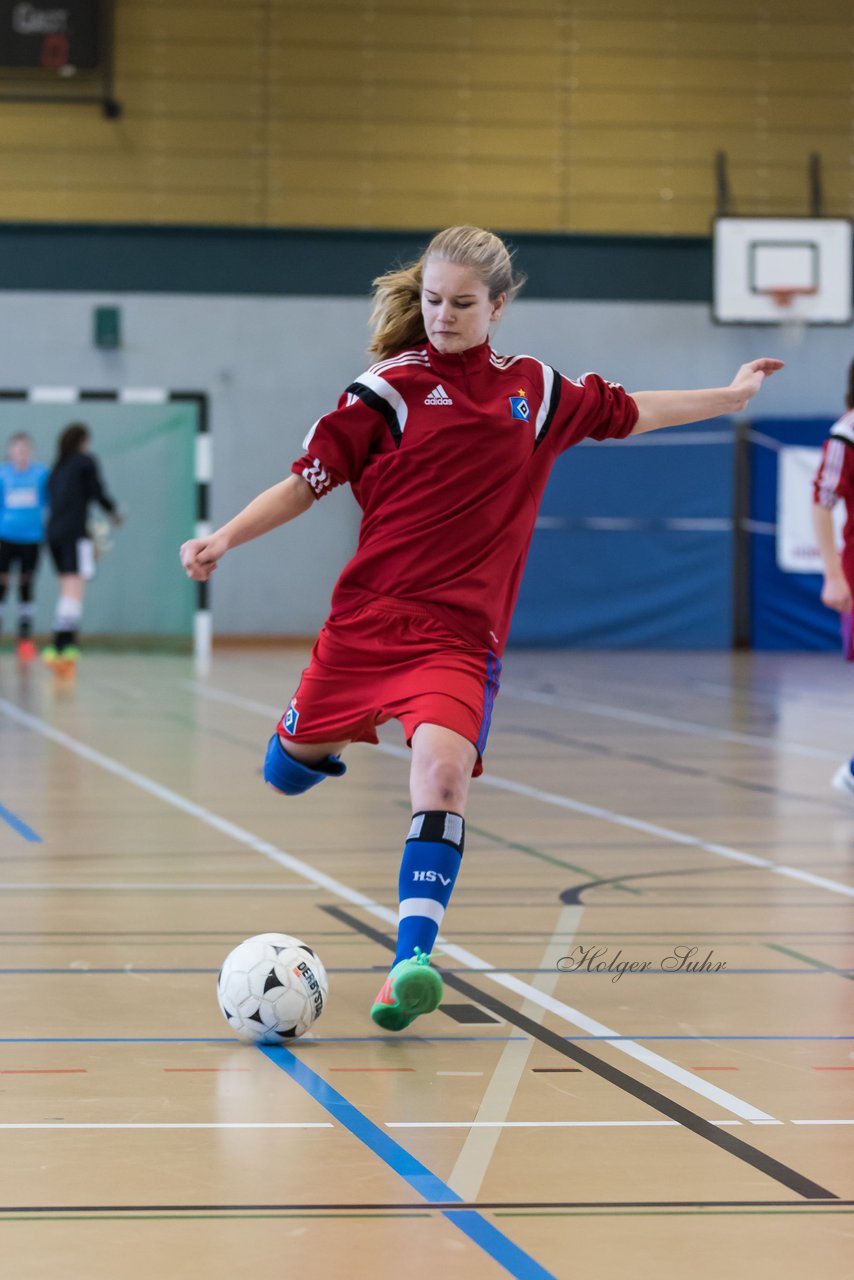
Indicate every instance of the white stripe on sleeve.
{"type": "Point", "coordinates": [830, 472]}
{"type": "Point", "coordinates": [386, 392]}
{"type": "Point", "coordinates": [548, 384]}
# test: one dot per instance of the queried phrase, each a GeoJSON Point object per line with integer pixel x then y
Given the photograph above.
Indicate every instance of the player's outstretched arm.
{"type": "Point", "coordinates": [275, 506]}
{"type": "Point", "coordinates": [674, 408]}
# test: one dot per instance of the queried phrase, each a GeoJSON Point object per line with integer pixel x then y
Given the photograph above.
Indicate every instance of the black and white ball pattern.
{"type": "Point", "coordinates": [271, 988]}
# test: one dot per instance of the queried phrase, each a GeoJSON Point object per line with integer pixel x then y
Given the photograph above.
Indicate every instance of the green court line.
{"type": "Point", "coordinates": [534, 853]}
{"type": "Point", "coordinates": [816, 964]}
{"type": "Point", "coordinates": [499, 1213]}
{"type": "Point", "coordinates": [544, 857]}
{"type": "Point", "coordinates": [143, 942]}
{"type": "Point", "coordinates": [655, 1213]}
{"type": "Point", "coordinates": [189, 722]}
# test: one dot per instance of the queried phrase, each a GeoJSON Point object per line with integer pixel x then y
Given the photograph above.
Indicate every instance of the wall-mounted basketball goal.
{"type": "Point", "coordinates": [794, 271]}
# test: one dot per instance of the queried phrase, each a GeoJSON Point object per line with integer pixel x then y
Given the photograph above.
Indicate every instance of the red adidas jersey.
{"type": "Point", "coordinates": [448, 457]}
{"type": "Point", "coordinates": [835, 479]}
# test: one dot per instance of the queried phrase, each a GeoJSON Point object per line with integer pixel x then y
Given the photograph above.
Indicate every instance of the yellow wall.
{"type": "Point", "coordinates": [566, 115]}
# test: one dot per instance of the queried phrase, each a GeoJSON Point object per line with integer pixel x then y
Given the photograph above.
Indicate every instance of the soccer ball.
{"type": "Point", "coordinates": [272, 988]}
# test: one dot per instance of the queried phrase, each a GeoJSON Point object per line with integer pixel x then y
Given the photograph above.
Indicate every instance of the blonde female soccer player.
{"type": "Point", "coordinates": [448, 448]}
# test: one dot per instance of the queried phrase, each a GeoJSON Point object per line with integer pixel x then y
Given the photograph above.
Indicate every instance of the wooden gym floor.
{"type": "Point", "coordinates": [649, 1123]}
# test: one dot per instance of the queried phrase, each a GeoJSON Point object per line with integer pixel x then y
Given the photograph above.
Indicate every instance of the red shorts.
{"type": "Point", "coordinates": [388, 660]}
{"type": "Point", "coordinates": [848, 637]}
{"type": "Point", "coordinates": [848, 618]}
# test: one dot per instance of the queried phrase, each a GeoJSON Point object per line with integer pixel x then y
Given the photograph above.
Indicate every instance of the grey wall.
{"type": "Point", "coordinates": [272, 365]}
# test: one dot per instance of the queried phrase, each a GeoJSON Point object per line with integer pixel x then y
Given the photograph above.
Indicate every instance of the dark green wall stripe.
{"type": "Point", "coordinates": [182, 259]}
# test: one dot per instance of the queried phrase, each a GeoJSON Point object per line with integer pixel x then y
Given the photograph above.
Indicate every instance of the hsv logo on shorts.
{"type": "Point", "coordinates": [291, 717]}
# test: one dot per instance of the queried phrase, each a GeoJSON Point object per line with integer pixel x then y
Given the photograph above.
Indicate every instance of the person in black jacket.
{"type": "Point", "coordinates": [73, 484]}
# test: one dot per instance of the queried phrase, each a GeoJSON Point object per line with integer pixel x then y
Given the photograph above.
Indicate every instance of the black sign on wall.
{"type": "Point", "coordinates": [57, 37]}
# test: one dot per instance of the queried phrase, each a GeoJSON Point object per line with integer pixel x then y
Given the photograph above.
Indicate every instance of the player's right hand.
{"type": "Point", "coordinates": [836, 594]}
{"type": "Point", "coordinates": [750, 376]}
{"type": "Point", "coordinates": [200, 556]}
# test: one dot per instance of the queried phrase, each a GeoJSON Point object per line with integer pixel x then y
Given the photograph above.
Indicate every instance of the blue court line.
{"type": "Point", "coordinates": [232, 1040]}
{"type": "Point", "coordinates": [119, 1040]}
{"type": "Point", "coordinates": [17, 824]}
{"type": "Point", "coordinates": [472, 1223]}
{"type": "Point", "coordinates": [398, 1038]}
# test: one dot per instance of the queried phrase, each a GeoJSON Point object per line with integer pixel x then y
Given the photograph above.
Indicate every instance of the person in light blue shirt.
{"type": "Point", "coordinates": [23, 502]}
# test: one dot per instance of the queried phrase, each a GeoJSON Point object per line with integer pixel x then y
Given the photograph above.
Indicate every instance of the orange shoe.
{"type": "Point", "coordinates": [64, 666]}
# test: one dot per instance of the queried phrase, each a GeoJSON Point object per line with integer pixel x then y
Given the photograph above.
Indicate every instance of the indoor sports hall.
{"type": "Point", "coordinates": [655, 892]}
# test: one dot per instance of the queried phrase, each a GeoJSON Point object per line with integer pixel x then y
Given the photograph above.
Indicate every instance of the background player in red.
{"type": "Point", "coordinates": [834, 480]}
{"type": "Point", "coordinates": [448, 448]}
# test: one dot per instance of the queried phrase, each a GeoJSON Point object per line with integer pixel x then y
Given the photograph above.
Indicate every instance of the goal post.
{"type": "Point", "coordinates": [155, 482]}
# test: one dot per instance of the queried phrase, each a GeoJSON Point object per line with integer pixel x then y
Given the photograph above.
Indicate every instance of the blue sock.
{"type": "Point", "coordinates": [431, 861]}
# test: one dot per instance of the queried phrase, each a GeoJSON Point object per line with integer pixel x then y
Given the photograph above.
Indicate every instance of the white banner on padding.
{"type": "Point", "coordinates": [797, 548]}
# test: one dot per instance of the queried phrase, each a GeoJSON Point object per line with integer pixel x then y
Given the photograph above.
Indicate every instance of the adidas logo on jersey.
{"type": "Point", "coordinates": [438, 396]}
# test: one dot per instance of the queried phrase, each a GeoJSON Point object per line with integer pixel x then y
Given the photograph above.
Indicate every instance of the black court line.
{"type": "Point", "coordinates": [572, 896]}
{"type": "Point", "coordinates": [465, 1014]}
{"type": "Point", "coordinates": [427, 1204]}
{"type": "Point", "coordinates": [585, 746]}
{"type": "Point", "coordinates": [720, 1138]}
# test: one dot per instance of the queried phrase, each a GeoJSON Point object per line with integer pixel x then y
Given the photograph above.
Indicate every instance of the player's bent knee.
{"type": "Point", "coordinates": [447, 780]}
{"type": "Point", "coordinates": [289, 776]}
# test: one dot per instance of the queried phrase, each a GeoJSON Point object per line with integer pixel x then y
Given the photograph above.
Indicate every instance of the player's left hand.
{"type": "Point", "coordinates": [750, 376]}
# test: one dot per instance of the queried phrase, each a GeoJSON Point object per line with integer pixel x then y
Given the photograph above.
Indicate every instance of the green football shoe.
{"type": "Point", "coordinates": [412, 988]}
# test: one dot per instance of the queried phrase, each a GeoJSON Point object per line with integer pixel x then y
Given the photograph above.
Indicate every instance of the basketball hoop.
{"type": "Point", "coordinates": [792, 320]}
{"type": "Point", "coordinates": [785, 295]}
{"type": "Point", "coordinates": [779, 270]}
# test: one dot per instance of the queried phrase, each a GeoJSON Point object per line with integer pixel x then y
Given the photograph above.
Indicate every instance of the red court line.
{"type": "Point", "coordinates": [44, 1071]}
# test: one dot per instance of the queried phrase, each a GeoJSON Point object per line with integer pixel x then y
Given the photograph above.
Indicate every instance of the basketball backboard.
{"type": "Point", "coordinates": [774, 270]}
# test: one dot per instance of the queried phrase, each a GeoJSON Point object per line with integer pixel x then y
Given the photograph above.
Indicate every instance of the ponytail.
{"type": "Point", "coordinates": [849, 398]}
{"type": "Point", "coordinates": [396, 320]}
